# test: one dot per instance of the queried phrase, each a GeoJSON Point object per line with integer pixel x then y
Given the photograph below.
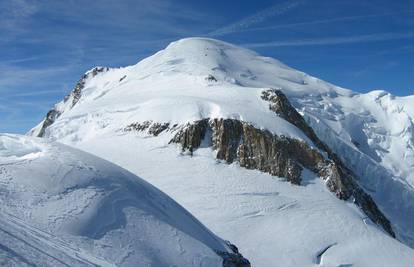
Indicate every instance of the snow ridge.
{"type": "Point", "coordinates": [61, 207]}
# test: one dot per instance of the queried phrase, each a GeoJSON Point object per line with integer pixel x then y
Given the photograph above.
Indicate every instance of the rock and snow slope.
{"type": "Point", "coordinates": [195, 79]}
{"type": "Point", "coordinates": [64, 207]}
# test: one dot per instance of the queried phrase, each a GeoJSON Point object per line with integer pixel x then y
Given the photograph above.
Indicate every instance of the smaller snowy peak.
{"type": "Point", "coordinates": [79, 210]}
{"type": "Point", "coordinates": [377, 94]}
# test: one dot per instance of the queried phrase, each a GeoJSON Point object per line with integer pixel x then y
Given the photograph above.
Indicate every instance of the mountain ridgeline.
{"type": "Point", "coordinates": [215, 100]}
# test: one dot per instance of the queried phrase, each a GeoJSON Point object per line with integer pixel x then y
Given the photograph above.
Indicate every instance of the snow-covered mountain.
{"type": "Point", "coordinates": [64, 207]}
{"type": "Point", "coordinates": [217, 127]}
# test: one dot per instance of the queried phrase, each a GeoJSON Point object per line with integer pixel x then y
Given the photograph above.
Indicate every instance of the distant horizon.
{"type": "Point", "coordinates": [46, 45]}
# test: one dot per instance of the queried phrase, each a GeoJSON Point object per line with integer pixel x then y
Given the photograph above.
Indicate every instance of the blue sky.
{"type": "Point", "coordinates": [45, 46]}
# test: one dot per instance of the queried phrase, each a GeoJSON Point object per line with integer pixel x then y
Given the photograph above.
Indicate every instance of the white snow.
{"type": "Point", "coordinates": [271, 221]}
{"type": "Point", "coordinates": [13, 149]}
{"type": "Point", "coordinates": [65, 207]}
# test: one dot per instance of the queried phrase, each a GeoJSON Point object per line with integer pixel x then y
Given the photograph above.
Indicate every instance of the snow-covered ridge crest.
{"type": "Point", "coordinates": [196, 78]}
{"type": "Point", "coordinates": [13, 149]}
{"type": "Point", "coordinates": [64, 207]}
{"type": "Point", "coordinates": [68, 102]}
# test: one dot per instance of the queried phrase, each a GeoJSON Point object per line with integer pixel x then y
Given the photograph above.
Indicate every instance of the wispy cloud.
{"type": "Point", "coordinates": [19, 60]}
{"type": "Point", "coordinates": [325, 21]}
{"type": "Point", "coordinates": [14, 13]}
{"type": "Point", "coordinates": [138, 19]}
{"type": "Point", "coordinates": [257, 18]}
{"type": "Point", "coordinates": [145, 16]}
{"type": "Point", "coordinates": [48, 44]}
{"type": "Point", "coordinates": [13, 76]}
{"type": "Point", "coordinates": [334, 40]}
{"type": "Point", "coordinates": [37, 93]}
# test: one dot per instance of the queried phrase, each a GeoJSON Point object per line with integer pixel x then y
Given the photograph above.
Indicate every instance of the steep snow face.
{"type": "Point", "coordinates": [63, 207]}
{"type": "Point", "coordinates": [373, 133]}
{"type": "Point", "coordinates": [200, 78]}
{"type": "Point", "coordinates": [377, 124]}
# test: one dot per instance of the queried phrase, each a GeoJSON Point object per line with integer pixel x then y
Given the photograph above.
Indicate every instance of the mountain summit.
{"type": "Point", "coordinates": [294, 170]}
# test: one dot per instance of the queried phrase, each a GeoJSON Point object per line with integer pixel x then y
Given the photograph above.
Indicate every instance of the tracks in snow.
{"type": "Point", "coordinates": [17, 237]}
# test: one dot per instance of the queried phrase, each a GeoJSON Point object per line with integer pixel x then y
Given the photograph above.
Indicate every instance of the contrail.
{"type": "Point", "coordinates": [257, 18]}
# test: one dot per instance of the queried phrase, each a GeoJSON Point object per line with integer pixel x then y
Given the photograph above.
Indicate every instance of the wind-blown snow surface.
{"type": "Point", "coordinates": [274, 223]}
{"type": "Point", "coordinates": [63, 207]}
{"type": "Point", "coordinates": [268, 219]}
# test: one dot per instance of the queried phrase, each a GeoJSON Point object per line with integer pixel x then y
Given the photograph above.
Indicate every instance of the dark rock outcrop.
{"type": "Point", "coordinates": [192, 136]}
{"type": "Point", "coordinates": [252, 148]}
{"type": "Point", "coordinates": [74, 97]}
{"type": "Point", "coordinates": [76, 93]}
{"type": "Point", "coordinates": [234, 259]}
{"type": "Point", "coordinates": [49, 120]}
{"type": "Point", "coordinates": [152, 128]}
{"type": "Point", "coordinates": [255, 149]}
{"type": "Point", "coordinates": [279, 104]}
{"type": "Point", "coordinates": [211, 78]}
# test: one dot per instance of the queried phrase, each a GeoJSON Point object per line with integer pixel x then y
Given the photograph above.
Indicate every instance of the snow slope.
{"type": "Point", "coordinates": [273, 222]}
{"type": "Point", "coordinates": [64, 207]}
{"type": "Point", "coordinates": [199, 78]}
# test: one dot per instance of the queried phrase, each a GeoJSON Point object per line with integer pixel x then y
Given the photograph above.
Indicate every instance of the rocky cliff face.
{"type": "Point", "coordinates": [252, 148]}
{"type": "Point", "coordinates": [51, 116]}
{"type": "Point", "coordinates": [153, 128]}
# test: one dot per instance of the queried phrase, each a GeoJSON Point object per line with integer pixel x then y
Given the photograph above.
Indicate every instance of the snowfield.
{"type": "Point", "coordinates": [272, 222]}
{"type": "Point", "coordinates": [64, 207]}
